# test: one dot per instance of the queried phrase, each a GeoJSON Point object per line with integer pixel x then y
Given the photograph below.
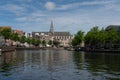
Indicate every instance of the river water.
{"type": "Point", "coordinates": [59, 65]}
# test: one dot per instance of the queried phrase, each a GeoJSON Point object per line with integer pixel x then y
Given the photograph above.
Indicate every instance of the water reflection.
{"type": "Point", "coordinates": [104, 65]}
{"type": "Point", "coordinates": [59, 65]}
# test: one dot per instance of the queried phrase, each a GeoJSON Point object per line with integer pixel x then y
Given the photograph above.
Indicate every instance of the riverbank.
{"type": "Point", "coordinates": [97, 50]}
{"type": "Point", "coordinates": [104, 50]}
{"type": "Point", "coordinates": [6, 49]}
{"type": "Point", "coordinates": [38, 48]}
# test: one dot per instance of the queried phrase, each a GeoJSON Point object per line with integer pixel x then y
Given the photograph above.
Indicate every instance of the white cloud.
{"type": "Point", "coordinates": [50, 5]}
{"type": "Point", "coordinates": [37, 14]}
{"type": "Point", "coordinates": [16, 9]}
{"type": "Point", "coordinates": [79, 19]}
{"type": "Point", "coordinates": [114, 7]}
{"type": "Point", "coordinates": [74, 5]}
{"type": "Point", "coordinates": [31, 17]}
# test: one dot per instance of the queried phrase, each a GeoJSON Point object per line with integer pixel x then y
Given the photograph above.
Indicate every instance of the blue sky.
{"type": "Point", "coordinates": [67, 15]}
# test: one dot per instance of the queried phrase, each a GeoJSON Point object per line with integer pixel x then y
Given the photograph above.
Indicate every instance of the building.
{"type": "Point", "coordinates": [117, 29]}
{"type": "Point", "coordinates": [19, 32]}
{"type": "Point", "coordinates": [64, 38]}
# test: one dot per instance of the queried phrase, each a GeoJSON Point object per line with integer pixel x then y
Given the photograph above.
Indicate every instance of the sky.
{"type": "Point", "coordinates": [67, 15]}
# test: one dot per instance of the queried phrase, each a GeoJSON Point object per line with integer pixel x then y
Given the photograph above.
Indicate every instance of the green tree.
{"type": "Point", "coordinates": [22, 39]}
{"type": "Point", "coordinates": [102, 37]}
{"type": "Point", "coordinates": [96, 38]}
{"type": "Point", "coordinates": [33, 41]}
{"type": "Point", "coordinates": [50, 42]}
{"type": "Point", "coordinates": [15, 37]}
{"type": "Point", "coordinates": [78, 39]}
{"type": "Point", "coordinates": [6, 33]}
{"type": "Point", "coordinates": [29, 40]}
{"type": "Point", "coordinates": [112, 36]}
{"type": "Point", "coordinates": [74, 42]}
{"type": "Point", "coordinates": [92, 37]}
{"type": "Point", "coordinates": [37, 42]}
{"type": "Point", "coordinates": [44, 43]}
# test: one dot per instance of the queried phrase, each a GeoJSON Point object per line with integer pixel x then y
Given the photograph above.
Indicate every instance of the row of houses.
{"type": "Point", "coordinates": [64, 38]}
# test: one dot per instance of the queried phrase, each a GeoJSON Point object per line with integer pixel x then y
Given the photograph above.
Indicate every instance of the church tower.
{"type": "Point", "coordinates": [51, 28]}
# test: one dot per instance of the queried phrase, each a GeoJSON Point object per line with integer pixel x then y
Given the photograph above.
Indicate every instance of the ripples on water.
{"type": "Point", "coordinates": [59, 65]}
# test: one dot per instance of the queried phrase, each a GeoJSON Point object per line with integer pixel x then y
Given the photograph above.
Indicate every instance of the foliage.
{"type": "Point", "coordinates": [50, 42]}
{"type": "Point", "coordinates": [92, 37]}
{"type": "Point", "coordinates": [112, 35]}
{"type": "Point", "coordinates": [14, 36]}
{"type": "Point", "coordinates": [6, 33]}
{"type": "Point", "coordinates": [43, 42]}
{"type": "Point", "coordinates": [22, 39]}
{"type": "Point", "coordinates": [37, 42]}
{"type": "Point", "coordinates": [97, 38]}
{"type": "Point", "coordinates": [102, 35]}
{"type": "Point", "coordinates": [28, 40]}
{"type": "Point", "coordinates": [78, 39]}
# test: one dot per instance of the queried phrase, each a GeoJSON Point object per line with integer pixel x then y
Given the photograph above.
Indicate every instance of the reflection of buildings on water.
{"type": "Point", "coordinates": [7, 57]}
{"type": "Point", "coordinates": [6, 62]}
{"type": "Point", "coordinates": [97, 61]}
{"type": "Point", "coordinates": [79, 59]}
{"type": "Point", "coordinates": [46, 59]}
{"type": "Point", "coordinates": [49, 59]}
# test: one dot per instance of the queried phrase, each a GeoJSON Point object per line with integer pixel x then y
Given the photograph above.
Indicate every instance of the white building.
{"type": "Point", "coordinates": [64, 38]}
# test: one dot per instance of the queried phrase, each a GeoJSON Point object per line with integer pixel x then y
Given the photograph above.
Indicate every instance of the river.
{"type": "Point", "coordinates": [59, 65]}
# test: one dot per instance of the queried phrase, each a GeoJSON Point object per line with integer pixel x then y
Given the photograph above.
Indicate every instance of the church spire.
{"type": "Point", "coordinates": [51, 28]}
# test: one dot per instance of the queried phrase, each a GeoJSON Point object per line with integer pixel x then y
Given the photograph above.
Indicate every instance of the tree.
{"type": "Point", "coordinates": [102, 37]}
{"type": "Point", "coordinates": [6, 33]}
{"type": "Point", "coordinates": [112, 36]}
{"type": "Point", "coordinates": [92, 37]}
{"type": "Point", "coordinates": [44, 43]}
{"type": "Point", "coordinates": [96, 38]}
{"type": "Point", "coordinates": [37, 42]}
{"type": "Point", "coordinates": [50, 42]}
{"type": "Point", "coordinates": [22, 39]}
{"type": "Point", "coordinates": [78, 39]}
{"type": "Point", "coordinates": [74, 42]}
{"type": "Point", "coordinates": [33, 41]}
{"type": "Point", "coordinates": [29, 40]}
{"type": "Point", "coordinates": [15, 37]}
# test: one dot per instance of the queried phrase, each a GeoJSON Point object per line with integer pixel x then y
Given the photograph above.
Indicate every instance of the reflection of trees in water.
{"type": "Point", "coordinates": [5, 68]}
{"type": "Point", "coordinates": [6, 63]}
{"type": "Point", "coordinates": [99, 64]}
{"type": "Point", "coordinates": [78, 58]}
{"type": "Point", "coordinates": [104, 64]}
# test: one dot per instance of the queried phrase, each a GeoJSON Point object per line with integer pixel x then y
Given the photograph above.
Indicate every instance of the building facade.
{"type": "Point", "coordinates": [19, 32]}
{"type": "Point", "coordinates": [64, 38]}
{"type": "Point", "coordinates": [117, 29]}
